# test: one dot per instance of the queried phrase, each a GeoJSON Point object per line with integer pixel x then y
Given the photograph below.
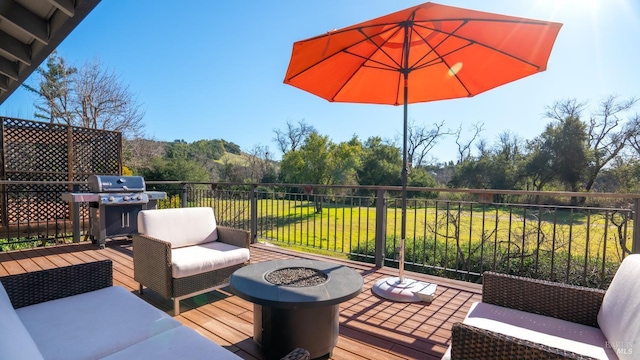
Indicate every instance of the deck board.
{"type": "Point", "coordinates": [370, 327]}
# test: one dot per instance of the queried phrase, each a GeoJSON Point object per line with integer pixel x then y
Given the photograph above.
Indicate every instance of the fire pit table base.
{"type": "Point", "coordinates": [296, 303]}
{"type": "Point", "coordinates": [280, 330]}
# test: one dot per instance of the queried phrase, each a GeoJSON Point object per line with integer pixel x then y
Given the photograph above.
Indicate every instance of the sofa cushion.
{"type": "Point", "coordinates": [578, 338]}
{"type": "Point", "coordinates": [15, 341]}
{"type": "Point", "coordinates": [176, 343]}
{"type": "Point", "coordinates": [192, 260]}
{"type": "Point", "coordinates": [93, 324]}
{"type": "Point", "coordinates": [619, 315]}
{"type": "Point", "coordinates": [181, 226]}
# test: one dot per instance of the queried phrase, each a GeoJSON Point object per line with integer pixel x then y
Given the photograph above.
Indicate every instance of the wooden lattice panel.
{"type": "Point", "coordinates": [33, 147]}
{"type": "Point", "coordinates": [39, 151]}
{"type": "Point", "coordinates": [95, 152]}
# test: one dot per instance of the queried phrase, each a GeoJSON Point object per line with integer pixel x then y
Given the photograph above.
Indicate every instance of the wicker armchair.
{"type": "Point", "coordinates": [521, 318]}
{"type": "Point", "coordinates": [154, 252]}
{"type": "Point", "coordinates": [571, 303]}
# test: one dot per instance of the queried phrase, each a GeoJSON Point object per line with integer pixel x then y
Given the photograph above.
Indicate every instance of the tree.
{"type": "Point", "coordinates": [622, 176]}
{"type": "Point", "coordinates": [381, 163]}
{"type": "Point", "coordinates": [420, 177]}
{"type": "Point", "coordinates": [175, 169]}
{"type": "Point", "coordinates": [87, 96]}
{"type": "Point", "coordinates": [311, 164]}
{"type": "Point", "coordinates": [261, 166]}
{"type": "Point", "coordinates": [420, 141]}
{"type": "Point", "coordinates": [54, 89]}
{"type": "Point", "coordinates": [138, 153]}
{"type": "Point", "coordinates": [295, 134]}
{"type": "Point", "coordinates": [567, 142]}
{"type": "Point", "coordinates": [464, 148]}
{"type": "Point", "coordinates": [538, 163]}
{"type": "Point", "coordinates": [498, 167]}
{"type": "Point", "coordinates": [607, 135]}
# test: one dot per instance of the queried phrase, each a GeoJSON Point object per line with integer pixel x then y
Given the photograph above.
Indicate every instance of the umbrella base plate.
{"type": "Point", "coordinates": [408, 290]}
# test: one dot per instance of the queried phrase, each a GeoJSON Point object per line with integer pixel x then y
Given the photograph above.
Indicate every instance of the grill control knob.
{"type": "Point", "coordinates": [126, 198]}
{"type": "Point", "coordinates": [139, 197]}
{"type": "Point", "coordinates": [111, 198]}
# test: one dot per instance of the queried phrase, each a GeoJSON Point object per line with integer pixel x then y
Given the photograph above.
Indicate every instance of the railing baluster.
{"type": "Point", "coordinates": [569, 249]}
{"type": "Point", "coordinates": [604, 248]}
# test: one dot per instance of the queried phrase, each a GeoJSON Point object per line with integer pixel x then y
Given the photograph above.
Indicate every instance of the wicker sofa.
{"type": "Point", "coordinates": [74, 312]}
{"type": "Point", "coordinates": [522, 318]}
{"type": "Point", "coordinates": [180, 253]}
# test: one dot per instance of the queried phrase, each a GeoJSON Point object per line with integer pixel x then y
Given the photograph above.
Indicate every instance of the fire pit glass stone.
{"type": "Point", "coordinates": [296, 277]}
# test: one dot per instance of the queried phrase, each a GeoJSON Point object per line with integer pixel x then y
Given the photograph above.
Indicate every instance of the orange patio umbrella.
{"type": "Point", "coordinates": [424, 53]}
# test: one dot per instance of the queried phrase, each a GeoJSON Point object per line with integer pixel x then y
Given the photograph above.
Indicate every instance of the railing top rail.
{"type": "Point", "coordinates": [367, 187]}
{"type": "Point", "coordinates": [425, 189]}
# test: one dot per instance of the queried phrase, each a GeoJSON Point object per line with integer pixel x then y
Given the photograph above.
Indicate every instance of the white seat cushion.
{"type": "Point", "coordinates": [176, 343]}
{"type": "Point", "coordinates": [192, 260]}
{"type": "Point", "coordinates": [181, 226]}
{"type": "Point", "coordinates": [15, 341]}
{"type": "Point", "coordinates": [93, 324]}
{"type": "Point", "coordinates": [578, 338]}
{"type": "Point", "coordinates": [619, 315]}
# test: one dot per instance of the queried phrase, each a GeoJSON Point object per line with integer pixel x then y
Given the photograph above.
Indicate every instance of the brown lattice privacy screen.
{"type": "Point", "coordinates": [40, 151]}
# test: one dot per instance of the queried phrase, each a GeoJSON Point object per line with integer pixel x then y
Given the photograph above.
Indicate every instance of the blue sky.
{"type": "Point", "coordinates": [214, 69]}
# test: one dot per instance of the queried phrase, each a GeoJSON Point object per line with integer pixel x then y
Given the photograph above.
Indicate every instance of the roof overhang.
{"type": "Point", "coordinates": [29, 31]}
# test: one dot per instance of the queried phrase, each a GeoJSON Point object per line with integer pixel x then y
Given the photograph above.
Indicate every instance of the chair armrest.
{"type": "Point", "coordinates": [297, 354]}
{"type": "Point", "coordinates": [236, 237]}
{"type": "Point", "coordinates": [469, 342]}
{"type": "Point", "coordinates": [152, 264]}
{"type": "Point", "coordinates": [567, 302]}
{"type": "Point", "coordinates": [46, 285]}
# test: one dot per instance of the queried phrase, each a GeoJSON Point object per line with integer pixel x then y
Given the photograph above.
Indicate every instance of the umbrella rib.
{"type": "Point", "coordinates": [440, 57]}
{"type": "Point", "coordinates": [466, 21]}
{"type": "Point", "coordinates": [385, 66]}
{"type": "Point", "coordinates": [342, 50]}
{"type": "Point", "coordinates": [369, 38]}
{"type": "Point", "coordinates": [434, 48]}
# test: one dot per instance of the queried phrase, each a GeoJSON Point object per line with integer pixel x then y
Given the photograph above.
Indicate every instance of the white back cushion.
{"type": "Point", "coordinates": [15, 341]}
{"type": "Point", "coordinates": [619, 315]}
{"type": "Point", "coordinates": [92, 325]}
{"type": "Point", "coordinates": [181, 227]}
{"type": "Point", "coordinates": [549, 331]}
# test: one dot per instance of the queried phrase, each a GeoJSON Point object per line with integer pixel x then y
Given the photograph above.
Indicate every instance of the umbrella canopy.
{"type": "Point", "coordinates": [446, 52]}
{"type": "Point", "coordinates": [424, 53]}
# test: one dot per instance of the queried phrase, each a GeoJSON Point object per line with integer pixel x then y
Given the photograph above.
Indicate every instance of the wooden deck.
{"type": "Point", "coordinates": [370, 327]}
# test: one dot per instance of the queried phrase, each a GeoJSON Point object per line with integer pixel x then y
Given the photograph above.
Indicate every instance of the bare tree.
{"type": "Point", "coordinates": [562, 109]}
{"type": "Point", "coordinates": [633, 127]}
{"type": "Point", "coordinates": [139, 152]}
{"type": "Point", "coordinates": [292, 137]}
{"type": "Point", "coordinates": [420, 141]}
{"type": "Point", "coordinates": [260, 163]}
{"type": "Point", "coordinates": [88, 96]}
{"type": "Point", "coordinates": [104, 102]}
{"type": "Point", "coordinates": [464, 149]}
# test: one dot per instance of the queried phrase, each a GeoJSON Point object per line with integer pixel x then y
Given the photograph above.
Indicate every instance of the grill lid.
{"type": "Point", "coordinates": [115, 183]}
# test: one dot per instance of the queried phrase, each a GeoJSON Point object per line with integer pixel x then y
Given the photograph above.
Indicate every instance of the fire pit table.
{"type": "Point", "coordinates": [296, 303]}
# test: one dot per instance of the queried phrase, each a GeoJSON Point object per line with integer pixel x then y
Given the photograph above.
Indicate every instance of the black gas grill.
{"type": "Point", "coordinates": [114, 203]}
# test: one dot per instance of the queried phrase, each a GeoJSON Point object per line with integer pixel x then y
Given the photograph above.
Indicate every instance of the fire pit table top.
{"type": "Point", "coordinates": [250, 283]}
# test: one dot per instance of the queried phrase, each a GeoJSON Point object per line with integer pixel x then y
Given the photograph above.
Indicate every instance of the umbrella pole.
{"type": "Point", "coordinates": [399, 288]}
{"type": "Point", "coordinates": [405, 171]}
